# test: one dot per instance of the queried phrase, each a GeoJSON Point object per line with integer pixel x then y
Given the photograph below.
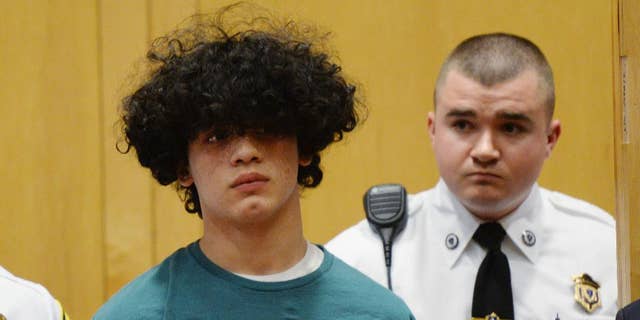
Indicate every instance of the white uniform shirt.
{"type": "Point", "coordinates": [436, 278]}
{"type": "Point", "coordinates": [24, 300]}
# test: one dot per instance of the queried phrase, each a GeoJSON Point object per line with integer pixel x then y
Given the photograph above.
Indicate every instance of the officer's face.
{"type": "Point", "coordinates": [490, 142]}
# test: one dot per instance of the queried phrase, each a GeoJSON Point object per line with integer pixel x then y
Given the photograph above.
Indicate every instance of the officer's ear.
{"type": "Point", "coordinates": [431, 125]}
{"type": "Point", "coordinates": [553, 134]}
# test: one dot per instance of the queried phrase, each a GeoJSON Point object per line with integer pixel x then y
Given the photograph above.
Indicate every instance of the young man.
{"type": "Point", "coordinates": [487, 242]}
{"type": "Point", "coordinates": [236, 114]}
{"type": "Point", "coordinates": [21, 299]}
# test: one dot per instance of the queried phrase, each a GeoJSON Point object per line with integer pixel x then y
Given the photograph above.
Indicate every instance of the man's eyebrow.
{"type": "Point", "coordinates": [459, 113]}
{"type": "Point", "coordinates": [515, 116]}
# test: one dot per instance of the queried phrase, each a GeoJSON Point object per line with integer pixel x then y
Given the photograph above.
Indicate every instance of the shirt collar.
{"type": "Point", "coordinates": [454, 220]}
{"type": "Point", "coordinates": [526, 220]}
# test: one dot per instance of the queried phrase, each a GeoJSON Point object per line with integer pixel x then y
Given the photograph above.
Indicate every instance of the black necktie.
{"type": "Point", "coordinates": [492, 297]}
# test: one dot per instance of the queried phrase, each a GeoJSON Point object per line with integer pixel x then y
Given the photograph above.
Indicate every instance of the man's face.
{"type": "Point", "coordinates": [244, 179]}
{"type": "Point", "coordinates": [490, 142]}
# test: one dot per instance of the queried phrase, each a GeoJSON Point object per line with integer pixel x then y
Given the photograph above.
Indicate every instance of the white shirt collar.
{"type": "Point", "coordinates": [527, 218]}
{"type": "Point", "coordinates": [455, 220]}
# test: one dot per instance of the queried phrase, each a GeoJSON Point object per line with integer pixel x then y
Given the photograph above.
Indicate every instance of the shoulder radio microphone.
{"type": "Point", "coordinates": [386, 208]}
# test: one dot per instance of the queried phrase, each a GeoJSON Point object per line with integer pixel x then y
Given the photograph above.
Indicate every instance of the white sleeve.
{"type": "Point", "coordinates": [25, 300]}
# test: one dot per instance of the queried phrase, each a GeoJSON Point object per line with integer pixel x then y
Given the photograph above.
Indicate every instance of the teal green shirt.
{"type": "Point", "coordinates": [187, 285]}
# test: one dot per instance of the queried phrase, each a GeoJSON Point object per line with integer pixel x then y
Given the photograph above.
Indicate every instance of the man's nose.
{"type": "Point", "coordinates": [245, 150]}
{"type": "Point", "coordinates": [485, 150]}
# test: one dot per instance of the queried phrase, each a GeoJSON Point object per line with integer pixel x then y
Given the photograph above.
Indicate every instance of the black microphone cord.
{"type": "Point", "coordinates": [387, 262]}
{"type": "Point", "coordinates": [387, 244]}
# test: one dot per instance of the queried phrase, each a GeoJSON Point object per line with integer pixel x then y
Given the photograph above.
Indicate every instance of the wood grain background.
{"type": "Point", "coordinates": [83, 220]}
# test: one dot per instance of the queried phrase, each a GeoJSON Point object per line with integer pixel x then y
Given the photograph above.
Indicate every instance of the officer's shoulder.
{"type": "Point", "coordinates": [417, 200]}
{"type": "Point", "coordinates": [13, 287]}
{"type": "Point", "coordinates": [362, 230]}
{"type": "Point", "coordinates": [350, 238]}
{"type": "Point", "coordinates": [578, 208]}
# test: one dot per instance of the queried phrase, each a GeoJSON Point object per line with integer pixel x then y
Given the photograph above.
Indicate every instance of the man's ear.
{"type": "Point", "coordinates": [553, 134]}
{"type": "Point", "coordinates": [184, 176]}
{"type": "Point", "coordinates": [431, 125]}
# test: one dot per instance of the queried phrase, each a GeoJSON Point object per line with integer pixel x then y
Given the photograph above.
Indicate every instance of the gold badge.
{"type": "Point", "coordinates": [586, 292]}
{"type": "Point", "coordinates": [2, 317]}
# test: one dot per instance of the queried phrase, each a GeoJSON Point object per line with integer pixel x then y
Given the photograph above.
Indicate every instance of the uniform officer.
{"type": "Point", "coordinates": [491, 131]}
{"type": "Point", "coordinates": [24, 300]}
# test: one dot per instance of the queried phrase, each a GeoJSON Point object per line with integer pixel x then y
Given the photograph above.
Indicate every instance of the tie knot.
{"type": "Point", "coordinates": [489, 235]}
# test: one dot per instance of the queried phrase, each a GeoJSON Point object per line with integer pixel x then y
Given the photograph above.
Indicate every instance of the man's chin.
{"type": "Point", "coordinates": [487, 208]}
{"type": "Point", "coordinates": [489, 216]}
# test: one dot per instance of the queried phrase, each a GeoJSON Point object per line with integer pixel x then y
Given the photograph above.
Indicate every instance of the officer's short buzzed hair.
{"type": "Point", "coordinates": [497, 57]}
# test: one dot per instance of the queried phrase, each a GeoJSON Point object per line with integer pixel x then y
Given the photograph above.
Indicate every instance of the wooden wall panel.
{"type": "Point", "coordinates": [128, 220]}
{"type": "Point", "coordinates": [50, 141]}
{"type": "Point", "coordinates": [628, 150]}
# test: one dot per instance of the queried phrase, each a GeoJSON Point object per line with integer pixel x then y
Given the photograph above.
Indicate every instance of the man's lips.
{"type": "Point", "coordinates": [484, 174]}
{"type": "Point", "coordinates": [248, 178]}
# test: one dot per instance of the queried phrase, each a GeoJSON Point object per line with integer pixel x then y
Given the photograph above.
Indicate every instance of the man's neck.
{"type": "Point", "coordinates": [256, 249]}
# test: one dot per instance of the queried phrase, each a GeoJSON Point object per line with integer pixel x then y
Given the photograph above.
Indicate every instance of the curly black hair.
{"type": "Point", "coordinates": [251, 74]}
